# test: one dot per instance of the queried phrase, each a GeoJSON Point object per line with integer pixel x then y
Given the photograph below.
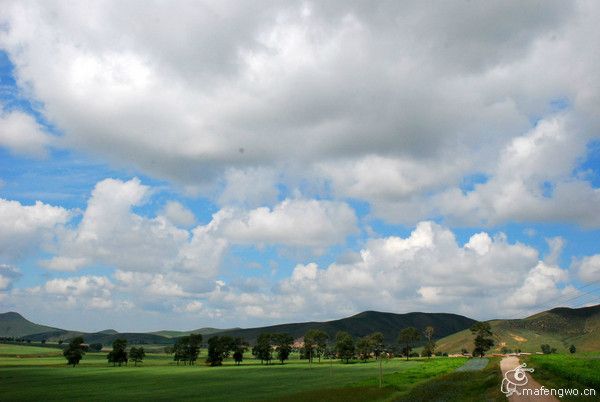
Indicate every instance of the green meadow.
{"type": "Point", "coordinates": [577, 371]}
{"type": "Point", "coordinates": [27, 374]}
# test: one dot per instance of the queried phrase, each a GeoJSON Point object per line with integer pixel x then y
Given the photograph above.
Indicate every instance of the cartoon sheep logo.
{"type": "Point", "coordinates": [515, 378]}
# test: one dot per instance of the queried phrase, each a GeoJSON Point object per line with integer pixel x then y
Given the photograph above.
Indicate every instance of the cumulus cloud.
{"type": "Point", "coordinates": [589, 268]}
{"type": "Point", "coordinates": [153, 251]}
{"type": "Point", "coordinates": [294, 88]}
{"type": "Point", "coordinates": [427, 270]}
{"type": "Point", "coordinates": [90, 292]}
{"type": "Point", "coordinates": [8, 274]}
{"type": "Point", "coordinates": [293, 222]}
{"type": "Point", "coordinates": [20, 133]}
{"type": "Point", "coordinates": [178, 214]}
{"type": "Point", "coordinates": [532, 182]}
{"type": "Point", "coordinates": [26, 227]}
{"type": "Point", "coordinates": [111, 233]}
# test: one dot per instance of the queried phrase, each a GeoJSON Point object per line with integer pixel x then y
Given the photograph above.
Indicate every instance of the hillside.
{"type": "Point", "coordinates": [361, 324]}
{"type": "Point", "coordinates": [203, 331]}
{"type": "Point", "coordinates": [15, 325]}
{"type": "Point", "coordinates": [365, 323]}
{"type": "Point", "coordinates": [559, 327]}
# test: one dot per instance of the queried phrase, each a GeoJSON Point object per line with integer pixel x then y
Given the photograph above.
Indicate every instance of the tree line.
{"type": "Point", "coordinates": [279, 346]}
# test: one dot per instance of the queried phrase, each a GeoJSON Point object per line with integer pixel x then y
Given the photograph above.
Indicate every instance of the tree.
{"type": "Point", "coordinates": [74, 351]}
{"type": "Point", "coordinates": [96, 347]}
{"type": "Point", "coordinates": [315, 343]}
{"type": "Point", "coordinates": [430, 345]}
{"type": "Point", "coordinates": [238, 351]}
{"type": "Point", "coordinates": [187, 348]}
{"type": "Point", "coordinates": [483, 338]}
{"type": "Point", "coordinates": [194, 342]}
{"type": "Point", "coordinates": [363, 348]}
{"type": "Point", "coordinates": [137, 354]}
{"type": "Point", "coordinates": [344, 346]}
{"type": "Point", "coordinates": [283, 344]}
{"type": "Point", "coordinates": [218, 349]}
{"type": "Point", "coordinates": [408, 337]}
{"type": "Point", "coordinates": [263, 349]}
{"type": "Point", "coordinates": [547, 349]}
{"type": "Point", "coordinates": [118, 355]}
{"type": "Point", "coordinates": [572, 349]}
{"type": "Point", "coordinates": [378, 347]}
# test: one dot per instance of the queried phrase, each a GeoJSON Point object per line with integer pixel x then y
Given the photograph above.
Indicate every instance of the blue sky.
{"type": "Point", "coordinates": [296, 162]}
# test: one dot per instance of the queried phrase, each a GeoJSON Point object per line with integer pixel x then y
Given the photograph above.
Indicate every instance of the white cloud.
{"type": "Point", "coordinates": [26, 227]}
{"type": "Point", "coordinates": [428, 270]}
{"type": "Point", "coordinates": [532, 182]}
{"type": "Point", "coordinates": [20, 133]}
{"type": "Point", "coordinates": [299, 92]}
{"type": "Point", "coordinates": [8, 274]}
{"type": "Point", "coordinates": [178, 214]}
{"type": "Point", "coordinates": [293, 222]}
{"type": "Point", "coordinates": [589, 268]}
{"type": "Point", "coordinates": [250, 187]}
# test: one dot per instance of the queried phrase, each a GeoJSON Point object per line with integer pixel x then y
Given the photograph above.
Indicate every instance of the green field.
{"type": "Point", "coordinates": [578, 371]}
{"type": "Point", "coordinates": [33, 373]}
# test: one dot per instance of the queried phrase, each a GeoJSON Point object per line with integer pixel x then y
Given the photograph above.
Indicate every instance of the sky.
{"type": "Point", "coordinates": [234, 163]}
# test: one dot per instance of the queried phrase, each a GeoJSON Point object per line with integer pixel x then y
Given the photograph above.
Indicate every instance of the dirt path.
{"type": "Point", "coordinates": [511, 362]}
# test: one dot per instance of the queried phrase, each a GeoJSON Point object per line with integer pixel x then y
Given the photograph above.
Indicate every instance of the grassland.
{"type": "Point", "coordinates": [578, 371]}
{"type": "Point", "coordinates": [45, 376]}
{"type": "Point", "coordinates": [462, 386]}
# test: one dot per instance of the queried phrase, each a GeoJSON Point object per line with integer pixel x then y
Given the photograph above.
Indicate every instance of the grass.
{"type": "Point", "coordinates": [12, 350]}
{"type": "Point", "coordinates": [577, 371]}
{"type": "Point", "coordinates": [158, 378]}
{"type": "Point", "coordinates": [483, 385]}
{"type": "Point", "coordinates": [395, 384]}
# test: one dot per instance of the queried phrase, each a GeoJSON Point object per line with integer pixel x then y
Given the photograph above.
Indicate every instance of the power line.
{"type": "Point", "coordinates": [565, 297]}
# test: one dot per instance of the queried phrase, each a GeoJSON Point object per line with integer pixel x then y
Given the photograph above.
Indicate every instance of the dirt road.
{"type": "Point", "coordinates": [510, 363]}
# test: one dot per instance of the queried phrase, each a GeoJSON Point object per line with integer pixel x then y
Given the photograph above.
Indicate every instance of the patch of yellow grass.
{"type": "Point", "coordinates": [518, 338]}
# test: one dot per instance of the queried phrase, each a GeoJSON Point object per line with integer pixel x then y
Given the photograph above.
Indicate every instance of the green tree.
{"type": "Point", "coordinates": [218, 349]}
{"type": "Point", "coordinates": [407, 338]}
{"type": "Point", "coordinates": [572, 349]}
{"type": "Point", "coordinates": [96, 347]}
{"type": "Point", "coordinates": [363, 348]}
{"type": "Point", "coordinates": [238, 351]}
{"type": "Point", "coordinates": [187, 349]}
{"type": "Point", "coordinates": [430, 345]}
{"type": "Point", "coordinates": [315, 343]}
{"type": "Point", "coordinates": [344, 346]}
{"type": "Point", "coordinates": [483, 338]}
{"type": "Point", "coordinates": [137, 354]}
{"type": "Point", "coordinates": [74, 351]}
{"type": "Point", "coordinates": [378, 348]}
{"type": "Point", "coordinates": [283, 344]}
{"type": "Point", "coordinates": [263, 349]}
{"type": "Point", "coordinates": [118, 355]}
{"type": "Point", "coordinates": [194, 342]}
{"type": "Point", "coordinates": [547, 349]}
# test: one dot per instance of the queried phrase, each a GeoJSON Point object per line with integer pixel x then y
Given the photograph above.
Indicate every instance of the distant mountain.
{"type": "Point", "coordinates": [15, 325]}
{"type": "Point", "coordinates": [203, 331]}
{"type": "Point", "coordinates": [559, 327]}
{"type": "Point", "coordinates": [365, 323]}
{"type": "Point", "coordinates": [361, 324]}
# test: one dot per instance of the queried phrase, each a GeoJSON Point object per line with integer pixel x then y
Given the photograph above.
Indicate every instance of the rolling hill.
{"type": "Point", "coordinates": [365, 323]}
{"type": "Point", "coordinates": [361, 324]}
{"type": "Point", "coordinates": [559, 327]}
{"type": "Point", "coordinates": [15, 325]}
{"type": "Point", "coordinates": [203, 331]}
